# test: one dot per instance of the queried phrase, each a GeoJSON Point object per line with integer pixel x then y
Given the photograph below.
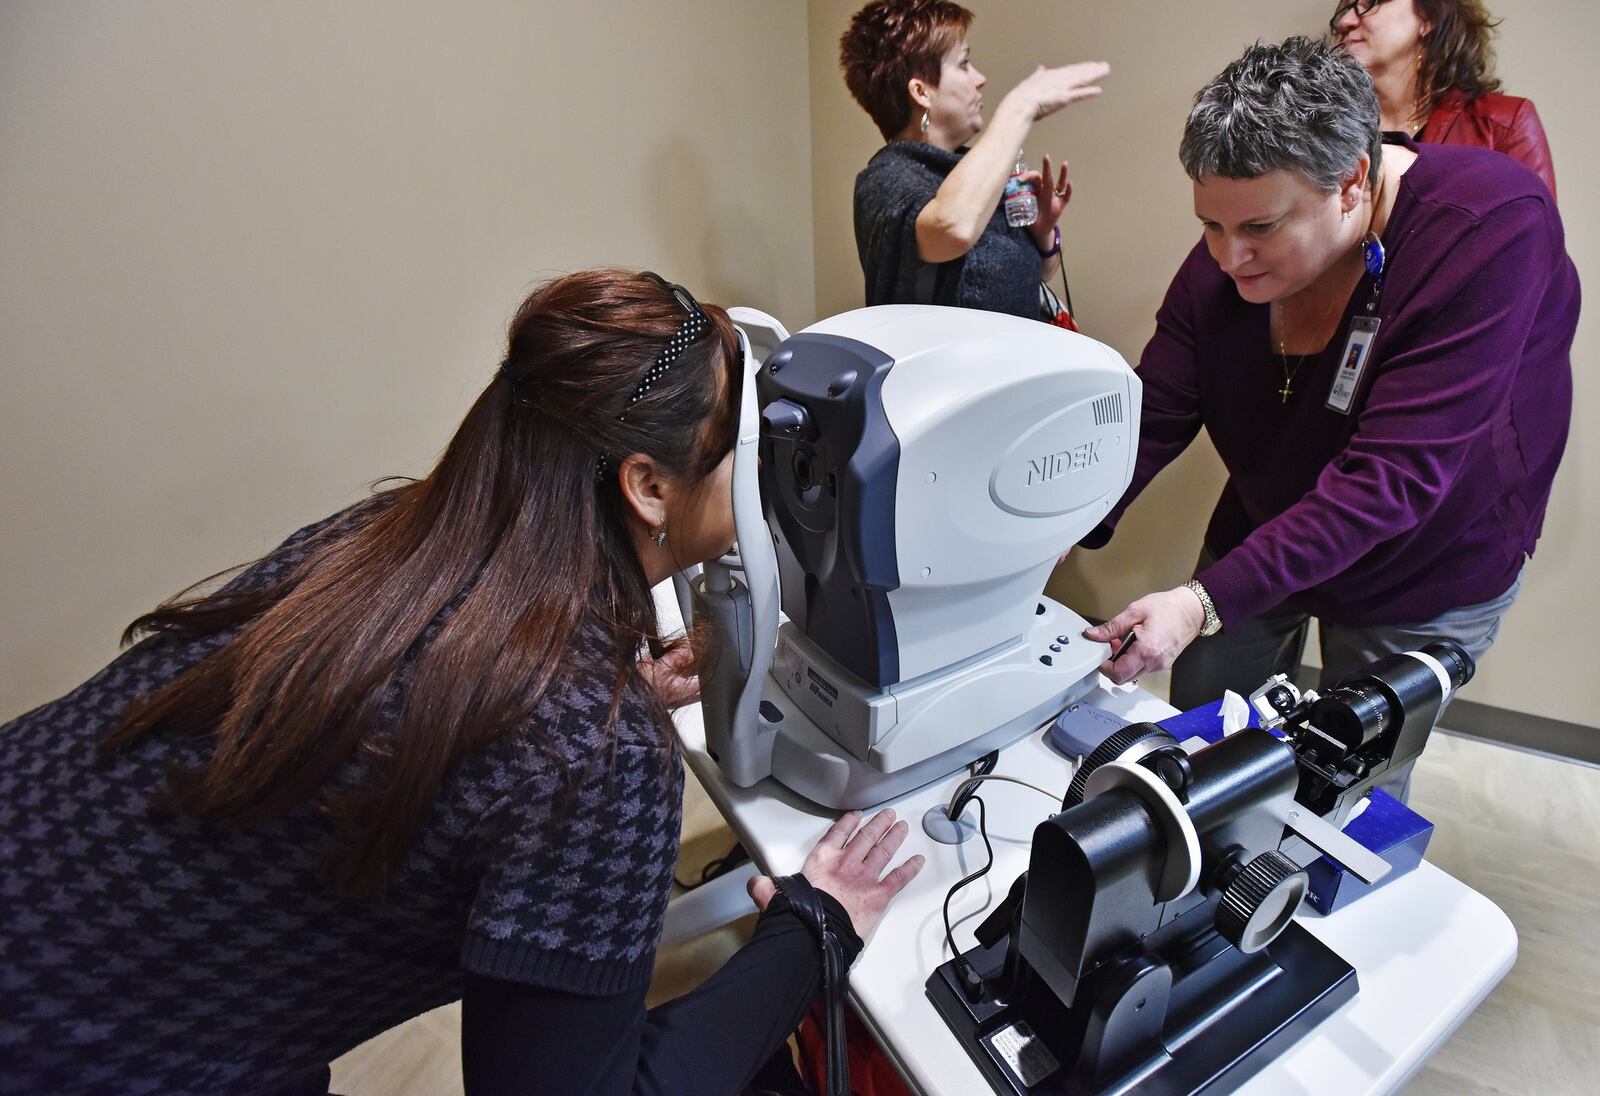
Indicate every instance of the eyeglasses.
{"type": "Point", "coordinates": [1361, 7]}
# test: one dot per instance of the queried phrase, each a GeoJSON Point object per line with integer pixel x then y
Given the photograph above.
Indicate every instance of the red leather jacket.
{"type": "Point", "coordinates": [1504, 123]}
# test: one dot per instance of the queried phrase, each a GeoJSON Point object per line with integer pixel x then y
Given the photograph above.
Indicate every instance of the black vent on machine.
{"type": "Point", "coordinates": [1108, 409]}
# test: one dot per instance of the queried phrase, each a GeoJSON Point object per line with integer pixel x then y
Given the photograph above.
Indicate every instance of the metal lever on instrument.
{"type": "Point", "coordinates": [742, 610]}
{"type": "Point", "coordinates": [681, 585]}
{"type": "Point", "coordinates": [1335, 844]}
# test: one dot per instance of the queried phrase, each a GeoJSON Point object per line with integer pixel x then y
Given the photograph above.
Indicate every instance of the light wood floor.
{"type": "Point", "coordinates": [1522, 829]}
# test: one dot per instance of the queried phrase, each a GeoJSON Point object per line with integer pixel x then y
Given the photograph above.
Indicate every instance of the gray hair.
{"type": "Point", "coordinates": [1300, 106]}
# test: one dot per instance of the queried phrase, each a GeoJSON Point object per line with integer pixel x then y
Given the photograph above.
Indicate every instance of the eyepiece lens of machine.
{"type": "Point", "coordinates": [1457, 663]}
{"type": "Point", "coordinates": [803, 476]}
{"type": "Point", "coordinates": [807, 483]}
{"type": "Point", "coordinates": [1372, 702]}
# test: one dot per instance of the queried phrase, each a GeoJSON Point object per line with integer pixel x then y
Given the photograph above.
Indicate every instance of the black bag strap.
{"type": "Point", "coordinates": [1049, 304]}
{"type": "Point", "coordinates": [807, 904]}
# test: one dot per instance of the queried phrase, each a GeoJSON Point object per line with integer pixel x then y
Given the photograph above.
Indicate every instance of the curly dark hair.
{"type": "Point", "coordinates": [1457, 52]}
{"type": "Point", "coordinates": [890, 41]}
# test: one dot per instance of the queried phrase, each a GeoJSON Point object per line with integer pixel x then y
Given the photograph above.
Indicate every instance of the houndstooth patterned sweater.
{"type": "Point", "coordinates": [142, 953]}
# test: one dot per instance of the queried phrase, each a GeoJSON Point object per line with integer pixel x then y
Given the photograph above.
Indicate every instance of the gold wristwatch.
{"type": "Point", "coordinates": [1213, 623]}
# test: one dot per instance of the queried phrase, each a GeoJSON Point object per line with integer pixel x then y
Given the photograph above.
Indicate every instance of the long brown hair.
{"type": "Point", "coordinates": [1457, 53]}
{"type": "Point", "coordinates": [475, 581]}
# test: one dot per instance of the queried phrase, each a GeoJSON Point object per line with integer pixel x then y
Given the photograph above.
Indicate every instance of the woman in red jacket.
{"type": "Point", "coordinates": [1432, 66]}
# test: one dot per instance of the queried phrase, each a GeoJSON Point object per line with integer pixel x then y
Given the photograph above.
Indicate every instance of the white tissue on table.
{"type": "Point", "coordinates": [1235, 712]}
{"type": "Point", "coordinates": [1359, 809]}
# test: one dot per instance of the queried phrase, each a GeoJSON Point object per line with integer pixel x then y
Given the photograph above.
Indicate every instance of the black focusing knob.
{"type": "Point", "coordinates": [1120, 742]}
{"type": "Point", "coordinates": [1171, 764]}
{"type": "Point", "coordinates": [1260, 901]}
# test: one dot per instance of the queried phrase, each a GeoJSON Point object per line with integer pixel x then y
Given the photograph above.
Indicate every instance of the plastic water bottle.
{"type": "Point", "coordinates": [1022, 204]}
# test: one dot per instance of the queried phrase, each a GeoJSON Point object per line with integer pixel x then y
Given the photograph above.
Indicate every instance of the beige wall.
{"type": "Point", "coordinates": [254, 256]}
{"type": "Point", "coordinates": [1131, 222]}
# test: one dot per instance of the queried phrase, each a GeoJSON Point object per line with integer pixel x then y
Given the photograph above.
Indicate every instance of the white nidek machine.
{"type": "Point", "coordinates": [905, 478]}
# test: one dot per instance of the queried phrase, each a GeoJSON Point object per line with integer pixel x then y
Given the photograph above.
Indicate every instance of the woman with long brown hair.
{"type": "Point", "coordinates": [413, 755]}
{"type": "Point", "coordinates": [1432, 65]}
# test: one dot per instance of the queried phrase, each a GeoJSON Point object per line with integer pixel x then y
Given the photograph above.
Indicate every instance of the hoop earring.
{"type": "Point", "coordinates": [660, 536]}
{"type": "Point", "coordinates": [924, 121]}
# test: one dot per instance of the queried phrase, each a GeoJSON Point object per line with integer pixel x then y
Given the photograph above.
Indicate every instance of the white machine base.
{"type": "Point", "coordinates": [1012, 692]}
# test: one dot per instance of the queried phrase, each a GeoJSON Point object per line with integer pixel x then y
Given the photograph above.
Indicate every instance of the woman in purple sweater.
{"type": "Point", "coordinates": [1377, 339]}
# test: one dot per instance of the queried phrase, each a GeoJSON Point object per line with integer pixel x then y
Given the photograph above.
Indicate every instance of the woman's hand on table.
{"type": "Point", "coordinates": [1165, 622]}
{"type": "Point", "coordinates": [848, 863]}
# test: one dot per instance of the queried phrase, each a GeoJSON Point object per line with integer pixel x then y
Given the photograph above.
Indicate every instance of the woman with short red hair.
{"type": "Point", "coordinates": [928, 218]}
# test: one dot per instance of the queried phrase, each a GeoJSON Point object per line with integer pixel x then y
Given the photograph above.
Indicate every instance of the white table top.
{"type": "Point", "coordinates": [1426, 948]}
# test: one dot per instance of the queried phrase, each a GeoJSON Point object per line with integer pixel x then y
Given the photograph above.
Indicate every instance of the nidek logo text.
{"type": "Point", "coordinates": [1053, 465]}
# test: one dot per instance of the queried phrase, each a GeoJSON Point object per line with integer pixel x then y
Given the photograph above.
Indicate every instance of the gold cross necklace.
{"type": "Point", "coordinates": [1283, 326]}
{"type": "Point", "coordinates": [1283, 306]}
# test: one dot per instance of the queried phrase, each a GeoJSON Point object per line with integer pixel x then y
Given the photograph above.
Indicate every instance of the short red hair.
{"type": "Point", "coordinates": [890, 41]}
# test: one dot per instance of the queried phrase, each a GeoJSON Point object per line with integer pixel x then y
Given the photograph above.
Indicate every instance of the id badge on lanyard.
{"type": "Point", "coordinates": [1363, 332]}
{"type": "Point", "coordinates": [1352, 363]}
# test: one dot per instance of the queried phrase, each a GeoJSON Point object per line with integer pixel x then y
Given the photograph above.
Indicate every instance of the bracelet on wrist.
{"type": "Point", "coordinates": [1055, 246]}
{"type": "Point", "coordinates": [1213, 623]}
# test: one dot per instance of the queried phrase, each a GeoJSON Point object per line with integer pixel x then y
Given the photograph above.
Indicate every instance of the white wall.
{"type": "Point", "coordinates": [254, 256]}
{"type": "Point", "coordinates": [1131, 221]}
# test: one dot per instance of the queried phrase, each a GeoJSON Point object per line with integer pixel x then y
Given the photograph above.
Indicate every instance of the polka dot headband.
{"type": "Point", "coordinates": [691, 329]}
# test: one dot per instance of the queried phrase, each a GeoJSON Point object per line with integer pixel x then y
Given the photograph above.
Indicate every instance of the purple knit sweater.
{"type": "Point", "coordinates": [1429, 494]}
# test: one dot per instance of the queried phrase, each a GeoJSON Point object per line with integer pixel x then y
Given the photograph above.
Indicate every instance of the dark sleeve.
{"type": "Point", "coordinates": [519, 1038]}
{"type": "Point", "coordinates": [889, 197]}
{"type": "Point", "coordinates": [1434, 397]}
{"type": "Point", "coordinates": [1169, 410]}
{"type": "Point", "coordinates": [1525, 142]}
{"type": "Point", "coordinates": [573, 885]}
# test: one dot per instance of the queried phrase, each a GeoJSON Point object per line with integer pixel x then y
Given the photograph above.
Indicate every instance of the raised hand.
{"type": "Point", "coordinates": [1054, 194]}
{"type": "Point", "coordinates": [1047, 90]}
